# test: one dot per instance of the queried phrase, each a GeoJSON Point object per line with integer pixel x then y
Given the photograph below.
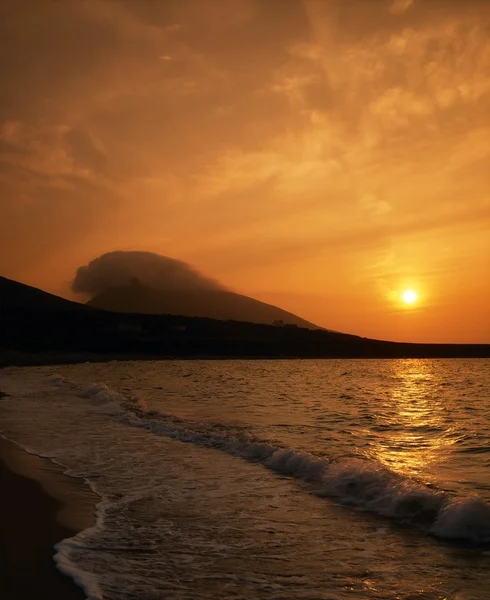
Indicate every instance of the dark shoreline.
{"type": "Point", "coordinates": [39, 507]}
{"type": "Point", "coordinates": [39, 359]}
{"type": "Point", "coordinates": [42, 329]}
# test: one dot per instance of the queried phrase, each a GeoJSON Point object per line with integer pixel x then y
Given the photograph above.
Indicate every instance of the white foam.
{"type": "Point", "coordinates": [106, 398]}
{"type": "Point", "coordinates": [371, 486]}
{"type": "Point", "coordinates": [82, 579]}
{"type": "Point", "coordinates": [57, 380]}
{"type": "Point", "coordinates": [362, 483]}
{"type": "Point", "coordinates": [101, 393]}
{"type": "Point", "coordinates": [465, 519]}
{"type": "Point", "coordinates": [303, 466]}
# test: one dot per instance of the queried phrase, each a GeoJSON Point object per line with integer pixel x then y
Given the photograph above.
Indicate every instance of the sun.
{"type": "Point", "coordinates": [409, 296]}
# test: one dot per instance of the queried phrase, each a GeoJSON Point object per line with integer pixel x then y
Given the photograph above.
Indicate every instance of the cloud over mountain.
{"type": "Point", "coordinates": [118, 268]}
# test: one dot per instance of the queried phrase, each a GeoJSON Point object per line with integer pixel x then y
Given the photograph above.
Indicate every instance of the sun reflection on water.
{"type": "Point", "coordinates": [412, 432]}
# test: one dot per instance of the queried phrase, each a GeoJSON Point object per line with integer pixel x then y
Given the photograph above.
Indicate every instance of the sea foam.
{"type": "Point", "coordinates": [362, 483]}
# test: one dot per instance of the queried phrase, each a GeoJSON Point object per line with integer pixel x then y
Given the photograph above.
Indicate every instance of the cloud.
{"type": "Point", "coordinates": [374, 205]}
{"type": "Point", "coordinates": [47, 214]}
{"type": "Point", "coordinates": [241, 134]}
{"type": "Point", "coordinates": [84, 152]}
{"type": "Point", "coordinates": [400, 6]}
{"type": "Point", "coordinates": [118, 268]}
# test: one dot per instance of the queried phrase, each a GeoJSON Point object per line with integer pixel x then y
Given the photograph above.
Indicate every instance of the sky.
{"type": "Point", "coordinates": [321, 155]}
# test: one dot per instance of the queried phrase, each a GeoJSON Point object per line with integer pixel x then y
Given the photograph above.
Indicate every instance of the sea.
{"type": "Point", "coordinates": [268, 479]}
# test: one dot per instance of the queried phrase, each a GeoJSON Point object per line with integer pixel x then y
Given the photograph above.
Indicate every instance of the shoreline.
{"type": "Point", "coordinates": [45, 359]}
{"type": "Point", "coordinates": [39, 507]}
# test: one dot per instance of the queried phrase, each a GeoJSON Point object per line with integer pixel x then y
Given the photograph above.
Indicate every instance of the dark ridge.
{"type": "Point", "coordinates": [19, 296]}
{"type": "Point", "coordinates": [212, 304]}
{"type": "Point", "coordinates": [36, 327]}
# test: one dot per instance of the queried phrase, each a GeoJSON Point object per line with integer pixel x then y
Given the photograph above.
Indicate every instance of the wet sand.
{"type": "Point", "coordinates": [39, 506]}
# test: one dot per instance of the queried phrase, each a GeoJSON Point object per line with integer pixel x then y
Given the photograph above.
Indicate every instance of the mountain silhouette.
{"type": "Point", "coordinates": [21, 297]}
{"type": "Point", "coordinates": [136, 297]}
{"type": "Point", "coordinates": [40, 328]}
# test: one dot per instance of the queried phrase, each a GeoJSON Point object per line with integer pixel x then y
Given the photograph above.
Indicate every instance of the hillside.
{"type": "Point", "coordinates": [39, 328]}
{"type": "Point", "coordinates": [19, 296]}
{"type": "Point", "coordinates": [212, 304]}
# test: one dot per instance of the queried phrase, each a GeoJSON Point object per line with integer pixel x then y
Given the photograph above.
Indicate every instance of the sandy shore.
{"type": "Point", "coordinates": [39, 506]}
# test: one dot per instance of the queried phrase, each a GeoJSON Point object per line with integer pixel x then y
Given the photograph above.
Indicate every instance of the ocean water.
{"type": "Point", "coordinates": [294, 479]}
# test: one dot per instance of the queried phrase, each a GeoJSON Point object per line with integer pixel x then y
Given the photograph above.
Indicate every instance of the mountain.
{"type": "Point", "coordinates": [216, 304]}
{"type": "Point", "coordinates": [20, 297]}
{"type": "Point", "coordinates": [39, 328]}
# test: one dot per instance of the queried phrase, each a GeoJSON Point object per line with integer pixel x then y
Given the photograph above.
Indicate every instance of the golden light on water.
{"type": "Point", "coordinates": [414, 413]}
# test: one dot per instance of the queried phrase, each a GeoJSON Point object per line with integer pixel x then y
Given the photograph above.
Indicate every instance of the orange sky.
{"type": "Point", "coordinates": [321, 155]}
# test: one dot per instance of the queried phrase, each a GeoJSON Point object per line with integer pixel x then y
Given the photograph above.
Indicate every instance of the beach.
{"type": "Point", "coordinates": [39, 506]}
{"type": "Point", "coordinates": [249, 480]}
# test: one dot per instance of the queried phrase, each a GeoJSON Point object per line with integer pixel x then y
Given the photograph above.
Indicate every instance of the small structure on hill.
{"type": "Point", "coordinates": [281, 323]}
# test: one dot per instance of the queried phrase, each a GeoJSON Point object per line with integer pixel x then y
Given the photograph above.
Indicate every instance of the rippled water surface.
{"type": "Point", "coordinates": [269, 479]}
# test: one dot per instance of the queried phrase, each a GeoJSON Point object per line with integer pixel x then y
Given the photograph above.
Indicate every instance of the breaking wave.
{"type": "Point", "coordinates": [362, 483]}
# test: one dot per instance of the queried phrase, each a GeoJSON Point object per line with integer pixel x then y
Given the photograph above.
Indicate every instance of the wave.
{"type": "Point", "coordinates": [365, 484]}
{"type": "Point", "coordinates": [64, 563]}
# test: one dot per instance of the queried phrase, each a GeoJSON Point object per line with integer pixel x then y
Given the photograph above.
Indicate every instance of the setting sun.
{"type": "Point", "coordinates": [409, 296]}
